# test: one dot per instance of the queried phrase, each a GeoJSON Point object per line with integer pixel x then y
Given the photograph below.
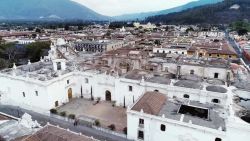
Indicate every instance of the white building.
{"type": "Point", "coordinates": [45, 85]}
{"type": "Point", "coordinates": [182, 50]}
{"type": "Point", "coordinates": [157, 117]}
{"type": "Point", "coordinates": [98, 46]}
{"type": "Point", "coordinates": [22, 41]}
{"type": "Point", "coordinates": [145, 26]}
{"type": "Point", "coordinates": [50, 83]}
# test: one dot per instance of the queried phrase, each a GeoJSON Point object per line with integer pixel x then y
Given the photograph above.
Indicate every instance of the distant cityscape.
{"type": "Point", "coordinates": [178, 75]}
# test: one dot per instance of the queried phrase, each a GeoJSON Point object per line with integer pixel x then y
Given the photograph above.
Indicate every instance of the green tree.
{"type": "Point", "coordinates": [189, 29]}
{"type": "Point", "coordinates": [8, 49]}
{"type": "Point", "coordinates": [35, 50]}
{"type": "Point", "coordinates": [242, 27]}
{"type": "Point", "coordinates": [157, 42]}
{"type": "Point", "coordinates": [30, 28]}
{"type": "Point", "coordinates": [3, 63]}
{"type": "Point", "coordinates": [108, 33]}
{"type": "Point", "coordinates": [242, 32]}
{"type": "Point", "coordinates": [38, 30]}
{"type": "Point", "coordinates": [66, 27]}
{"type": "Point", "coordinates": [80, 27]}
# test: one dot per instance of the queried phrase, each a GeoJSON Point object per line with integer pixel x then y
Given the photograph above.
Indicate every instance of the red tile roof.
{"type": "Point", "coordinates": [2, 117]}
{"type": "Point", "coordinates": [52, 133]}
{"type": "Point", "coordinates": [150, 103]}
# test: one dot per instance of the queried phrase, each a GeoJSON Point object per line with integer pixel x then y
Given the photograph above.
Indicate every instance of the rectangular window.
{"type": "Point", "coordinates": [58, 65]}
{"type": "Point", "coordinates": [163, 127]}
{"type": "Point", "coordinates": [67, 81]}
{"type": "Point", "coordinates": [36, 93]}
{"type": "Point", "coordinates": [130, 88]}
{"type": "Point", "coordinates": [23, 94]}
{"type": "Point", "coordinates": [191, 71]}
{"type": "Point", "coordinates": [141, 135]}
{"type": "Point", "coordinates": [216, 75]}
{"type": "Point", "coordinates": [141, 121]}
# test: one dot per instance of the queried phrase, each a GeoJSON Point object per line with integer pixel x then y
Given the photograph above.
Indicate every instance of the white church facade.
{"type": "Point", "coordinates": [157, 106]}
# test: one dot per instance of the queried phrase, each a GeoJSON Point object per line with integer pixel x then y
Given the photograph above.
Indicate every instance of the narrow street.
{"type": "Point", "coordinates": [236, 48]}
{"type": "Point", "coordinates": [43, 119]}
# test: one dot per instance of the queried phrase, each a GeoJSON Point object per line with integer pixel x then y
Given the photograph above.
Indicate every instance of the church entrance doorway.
{"type": "Point", "coordinates": [108, 95]}
{"type": "Point", "coordinates": [70, 94]}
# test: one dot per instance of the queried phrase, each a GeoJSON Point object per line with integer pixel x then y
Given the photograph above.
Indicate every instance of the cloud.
{"type": "Point", "coordinates": [118, 7]}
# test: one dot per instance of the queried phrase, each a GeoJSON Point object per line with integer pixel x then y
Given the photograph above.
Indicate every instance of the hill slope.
{"type": "Point", "coordinates": [221, 13]}
{"type": "Point", "coordinates": [142, 16]}
{"type": "Point", "coordinates": [46, 9]}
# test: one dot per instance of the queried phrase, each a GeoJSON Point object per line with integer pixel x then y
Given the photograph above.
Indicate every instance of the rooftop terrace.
{"type": "Point", "coordinates": [40, 71]}
{"type": "Point", "coordinates": [205, 115]}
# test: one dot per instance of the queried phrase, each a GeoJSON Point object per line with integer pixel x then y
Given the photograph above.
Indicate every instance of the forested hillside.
{"type": "Point", "coordinates": [224, 12]}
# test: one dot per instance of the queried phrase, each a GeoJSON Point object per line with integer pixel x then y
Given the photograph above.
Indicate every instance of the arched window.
{"type": "Point", "coordinates": [215, 100]}
{"type": "Point", "coordinates": [108, 95]}
{"type": "Point", "coordinates": [218, 139]}
{"type": "Point", "coordinates": [186, 96]}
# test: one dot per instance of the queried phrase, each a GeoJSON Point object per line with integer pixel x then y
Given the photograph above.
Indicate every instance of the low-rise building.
{"type": "Point", "coordinates": [98, 46]}
{"type": "Point", "coordinates": [157, 117]}
{"type": "Point", "coordinates": [173, 49]}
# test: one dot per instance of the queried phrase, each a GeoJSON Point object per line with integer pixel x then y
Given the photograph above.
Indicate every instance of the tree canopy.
{"type": "Point", "coordinates": [36, 50]}
{"type": "Point", "coordinates": [13, 52]}
{"type": "Point", "coordinates": [242, 27]}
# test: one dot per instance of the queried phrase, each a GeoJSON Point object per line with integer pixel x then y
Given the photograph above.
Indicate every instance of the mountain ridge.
{"type": "Point", "coordinates": [46, 9]}
{"type": "Point", "coordinates": [224, 12]}
{"type": "Point", "coordinates": [143, 15]}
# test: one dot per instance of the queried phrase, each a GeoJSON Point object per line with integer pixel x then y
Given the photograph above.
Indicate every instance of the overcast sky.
{"type": "Point", "coordinates": [118, 7]}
